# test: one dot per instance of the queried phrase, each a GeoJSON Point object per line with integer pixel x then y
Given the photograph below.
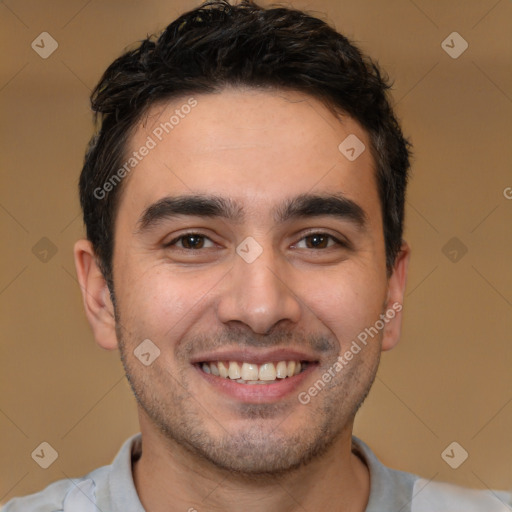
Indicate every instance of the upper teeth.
{"type": "Point", "coordinates": [252, 372]}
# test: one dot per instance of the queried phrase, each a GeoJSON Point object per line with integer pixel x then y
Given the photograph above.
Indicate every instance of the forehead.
{"type": "Point", "coordinates": [253, 147]}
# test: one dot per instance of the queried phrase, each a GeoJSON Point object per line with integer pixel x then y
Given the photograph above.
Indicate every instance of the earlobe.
{"type": "Point", "coordinates": [96, 296]}
{"type": "Point", "coordinates": [394, 304]}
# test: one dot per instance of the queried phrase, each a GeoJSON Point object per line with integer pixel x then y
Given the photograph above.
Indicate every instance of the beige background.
{"type": "Point", "coordinates": [448, 380]}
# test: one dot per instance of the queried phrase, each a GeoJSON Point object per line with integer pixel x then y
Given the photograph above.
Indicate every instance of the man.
{"type": "Point", "coordinates": [244, 203]}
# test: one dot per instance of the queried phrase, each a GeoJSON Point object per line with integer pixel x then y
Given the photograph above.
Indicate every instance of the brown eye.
{"type": "Point", "coordinates": [319, 241]}
{"type": "Point", "coordinates": [190, 241]}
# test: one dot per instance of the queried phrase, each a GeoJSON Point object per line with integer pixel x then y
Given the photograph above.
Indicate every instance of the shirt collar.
{"type": "Point", "coordinates": [124, 497]}
{"type": "Point", "coordinates": [389, 488]}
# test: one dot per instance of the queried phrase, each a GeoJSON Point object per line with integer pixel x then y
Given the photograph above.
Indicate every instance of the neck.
{"type": "Point", "coordinates": [170, 478]}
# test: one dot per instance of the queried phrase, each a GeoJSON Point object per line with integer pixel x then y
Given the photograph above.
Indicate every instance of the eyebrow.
{"type": "Point", "coordinates": [301, 206]}
{"type": "Point", "coordinates": [319, 205]}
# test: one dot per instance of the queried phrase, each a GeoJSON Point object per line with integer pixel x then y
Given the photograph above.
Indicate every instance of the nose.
{"type": "Point", "coordinates": [259, 294]}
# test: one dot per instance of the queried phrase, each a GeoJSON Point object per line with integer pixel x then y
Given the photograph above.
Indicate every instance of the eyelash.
{"type": "Point", "coordinates": [194, 233]}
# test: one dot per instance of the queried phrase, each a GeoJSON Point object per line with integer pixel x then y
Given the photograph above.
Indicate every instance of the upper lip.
{"type": "Point", "coordinates": [254, 356]}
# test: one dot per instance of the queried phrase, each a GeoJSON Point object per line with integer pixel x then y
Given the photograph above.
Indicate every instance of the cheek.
{"type": "Point", "coordinates": [347, 300]}
{"type": "Point", "coordinates": [160, 304]}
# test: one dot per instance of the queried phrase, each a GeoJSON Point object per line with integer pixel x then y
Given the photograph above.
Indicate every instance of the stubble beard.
{"type": "Point", "coordinates": [255, 451]}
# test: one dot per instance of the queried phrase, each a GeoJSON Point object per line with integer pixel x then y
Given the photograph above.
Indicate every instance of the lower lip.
{"type": "Point", "coordinates": [258, 393]}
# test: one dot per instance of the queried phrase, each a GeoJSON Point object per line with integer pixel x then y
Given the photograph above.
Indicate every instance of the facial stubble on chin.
{"type": "Point", "coordinates": [252, 451]}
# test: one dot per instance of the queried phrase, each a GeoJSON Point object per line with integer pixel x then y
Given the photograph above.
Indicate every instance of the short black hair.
{"type": "Point", "coordinates": [218, 45]}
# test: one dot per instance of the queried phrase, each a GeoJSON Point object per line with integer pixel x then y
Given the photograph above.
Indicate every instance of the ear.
{"type": "Point", "coordinates": [96, 296]}
{"type": "Point", "coordinates": [395, 298]}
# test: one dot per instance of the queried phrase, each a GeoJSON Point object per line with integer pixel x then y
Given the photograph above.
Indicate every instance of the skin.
{"type": "Point", "coordinates": [202, 448]}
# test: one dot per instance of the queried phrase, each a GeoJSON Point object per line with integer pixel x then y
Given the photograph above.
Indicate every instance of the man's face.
{"type": "Point", "coordinates": [270, 284]}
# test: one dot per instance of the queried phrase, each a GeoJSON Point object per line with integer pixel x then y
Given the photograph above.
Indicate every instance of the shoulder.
{"type": "Point", "coordinates": [62, 496]}
{"type": "Point", "coordinates": [431, 496]}
{"type": "Point", "coordinates": [396, 490]}
{"type": "Point", "coordinates": [95, 491]}
{"type": "Point", "coordinates": [49, 499]}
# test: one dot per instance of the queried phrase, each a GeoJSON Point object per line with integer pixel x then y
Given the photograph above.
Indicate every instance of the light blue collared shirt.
{"type": "Point", "coordinates": [111, 489]}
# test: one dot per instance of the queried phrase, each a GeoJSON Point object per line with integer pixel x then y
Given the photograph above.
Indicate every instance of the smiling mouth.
{"type": "Point", "coordinates": [251, 373]}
